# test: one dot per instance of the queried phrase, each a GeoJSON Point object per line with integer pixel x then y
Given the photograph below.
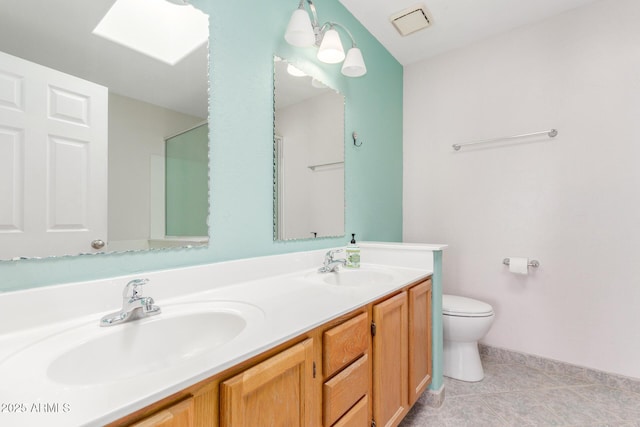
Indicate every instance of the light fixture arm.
{"type": "Point", "coordinates": [346, 30]}
{"type": "Point", "coordinates": [304, 30]}
{"type": "Point", "coordinates": [320, 29]}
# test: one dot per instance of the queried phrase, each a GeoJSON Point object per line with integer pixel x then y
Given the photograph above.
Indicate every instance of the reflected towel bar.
{"type": "Point", "coordinates": [326, 166]}
{"type": "Point", "coordinates": [552, 133]}
{"type": "Point", "coordinates": [532, 263]}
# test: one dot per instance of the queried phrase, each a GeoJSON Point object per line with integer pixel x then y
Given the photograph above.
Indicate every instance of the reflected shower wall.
{"type": "Point", "coordinates": [187, 183]}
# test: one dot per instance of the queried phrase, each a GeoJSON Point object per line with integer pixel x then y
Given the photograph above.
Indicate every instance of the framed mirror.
{"type": "Point", "coordinates": [87, 117]}
{"type": "Point", "coordinates": [308, 156]}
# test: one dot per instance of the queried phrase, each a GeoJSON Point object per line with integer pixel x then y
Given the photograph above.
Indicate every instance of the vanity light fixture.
{"type": "Point", "coordinates": [295, 72]}
{"type": "Point", "coordinates": [305, 31]}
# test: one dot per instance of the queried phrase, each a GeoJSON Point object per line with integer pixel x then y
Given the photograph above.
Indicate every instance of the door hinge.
{"type": "Point", "coordinates": [314, 369]}
{"type": "Point", "coordinates": [373, 423]}
{"type": "Point", "coordinates": [373, 329]}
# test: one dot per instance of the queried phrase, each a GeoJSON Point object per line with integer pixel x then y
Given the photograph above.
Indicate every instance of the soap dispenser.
{"type": "Point", "coordinates": [353, 253]}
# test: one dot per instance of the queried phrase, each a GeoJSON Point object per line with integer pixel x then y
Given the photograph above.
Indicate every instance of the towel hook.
{"type": "Point", "coordinates": [355, 139]}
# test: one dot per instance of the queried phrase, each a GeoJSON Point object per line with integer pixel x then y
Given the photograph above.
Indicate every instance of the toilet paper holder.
{"type": "Point", "coordinates": [533, 263]}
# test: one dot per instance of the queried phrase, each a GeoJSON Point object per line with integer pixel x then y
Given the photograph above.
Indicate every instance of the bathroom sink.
{"type": "Point", "coordinates": [178, 336]}
{"type": "Point", "coordinates": [354, 277]}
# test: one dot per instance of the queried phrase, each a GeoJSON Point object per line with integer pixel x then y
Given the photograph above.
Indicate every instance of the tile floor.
{"type": "Point", "coordinates": [518, 395]}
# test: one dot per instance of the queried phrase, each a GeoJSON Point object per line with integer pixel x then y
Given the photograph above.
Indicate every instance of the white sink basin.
{"type": "Point", "coordinates": [90, 354]}
{"type": "Point", "coordinates": [354, 277]}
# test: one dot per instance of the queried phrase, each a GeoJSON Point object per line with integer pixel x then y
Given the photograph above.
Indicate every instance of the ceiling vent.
{"type": "Point", "coordinates": [411, 20]}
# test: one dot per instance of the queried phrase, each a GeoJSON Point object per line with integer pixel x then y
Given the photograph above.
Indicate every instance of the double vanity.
{"type": "Point", "coordinates": [267, 338]}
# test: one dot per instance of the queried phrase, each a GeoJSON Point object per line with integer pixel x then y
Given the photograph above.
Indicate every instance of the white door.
{"type": "Point", "coordinates": [53, 161]}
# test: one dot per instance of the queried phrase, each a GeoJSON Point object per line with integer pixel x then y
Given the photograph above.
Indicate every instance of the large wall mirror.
{"type": "Point", "coordinates": [308, 156]}
{"type": "Point", "coordinates": [102, 135]}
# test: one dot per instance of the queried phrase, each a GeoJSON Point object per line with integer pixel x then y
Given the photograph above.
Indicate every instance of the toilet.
{"type": "Point", "coordinates": [464, 321]}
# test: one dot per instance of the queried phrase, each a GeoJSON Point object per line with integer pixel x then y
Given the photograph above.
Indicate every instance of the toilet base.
{"type": "Point", "coordinates": [462, 361]}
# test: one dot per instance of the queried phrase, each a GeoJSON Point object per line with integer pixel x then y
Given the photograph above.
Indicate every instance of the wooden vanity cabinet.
{"type": "Point", "coordinates": [368, 365]}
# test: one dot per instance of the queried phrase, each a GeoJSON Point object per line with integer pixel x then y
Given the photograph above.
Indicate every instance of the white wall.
{"type": "Point", "coordinates": [136, 132]}
{"type": "Point", "coordinates": [572, 202]}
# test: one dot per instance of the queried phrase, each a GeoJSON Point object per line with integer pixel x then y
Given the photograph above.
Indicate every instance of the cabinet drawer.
{"type": "Point", "coordinates": [345, 389]}
{"type": "Point", "coordinates": [357, 416]}
{"type": "Point", "coordinates": [344, 343]}
{"type": "Point", "coordinates": [178, 415]}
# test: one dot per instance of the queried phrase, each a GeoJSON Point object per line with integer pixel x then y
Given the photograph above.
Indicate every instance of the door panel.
{"type": "Point", "coordinates": [419, 339]}
{"type": "Point", "coordinates": [53, 130]}
{"type": "Point", "coordinates": [390, 389]}
{"type": "Point", "coordinates": [277, 392]}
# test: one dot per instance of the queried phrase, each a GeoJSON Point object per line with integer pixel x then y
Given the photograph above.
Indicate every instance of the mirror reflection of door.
{"type": "Point", "coordinates": [308, 157]}
{"type": "Point", "coordinates": [149, 96]}
{"type": "Point", "coordinates": [53, 161]}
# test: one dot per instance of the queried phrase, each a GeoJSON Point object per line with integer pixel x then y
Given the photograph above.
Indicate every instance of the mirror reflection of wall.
{"type": "Point", "coordinates": [149, 98]}
{"type": "Point", "coordinates": [187, 184]}
{"type": "Point", "coordinates": [308, 157]}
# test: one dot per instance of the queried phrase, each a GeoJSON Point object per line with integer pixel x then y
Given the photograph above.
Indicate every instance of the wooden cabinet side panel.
{"type": "Point", "coordinates": [178, 415]}
{"type": "Point", "coordinates": [390, 360]}
{"type": "Point", "coordinates": [278, 391]}
{"type": "Point", "coordinates": [419, 340]}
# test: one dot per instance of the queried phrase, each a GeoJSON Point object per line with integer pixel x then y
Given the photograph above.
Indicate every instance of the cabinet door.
{"type": "Point", "coordinates": [178, 415]}
{"type": "Point", "coordinates": [390, 390]}
{"type": "Point", "coordinates": [277, 392]}
{"type": "Point", "coordinates": [419, 339]}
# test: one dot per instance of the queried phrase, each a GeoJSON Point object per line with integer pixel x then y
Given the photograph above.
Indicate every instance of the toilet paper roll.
{"type": "Point", "coordinates": [519, 265]}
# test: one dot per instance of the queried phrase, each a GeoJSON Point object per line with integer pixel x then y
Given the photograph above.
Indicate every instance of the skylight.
{"type": "Point", "coordinates": [156, 28]}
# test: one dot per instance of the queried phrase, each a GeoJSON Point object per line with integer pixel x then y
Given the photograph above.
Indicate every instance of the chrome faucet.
{"type": "Point", "coordinates": [134, 305]}
{"type": "Point", "coordinates": [330, 263]}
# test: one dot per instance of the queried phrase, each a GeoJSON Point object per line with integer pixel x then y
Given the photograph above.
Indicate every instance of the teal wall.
{"type": "Point", "coordinates": [187, 167]}
{"type": "Point", "coordinates": [244, 37]}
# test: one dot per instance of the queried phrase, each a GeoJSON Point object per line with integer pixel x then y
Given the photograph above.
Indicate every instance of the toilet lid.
{"type": "Point", "coordinates": [461, 306]}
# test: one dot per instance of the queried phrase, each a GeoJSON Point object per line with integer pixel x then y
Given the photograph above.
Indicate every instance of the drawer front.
{"type": "Point", "coordinates": [179, 415]}
{"type": "Point", "coordinates": [358, 416]}
{"type": "Point", "coordinates": [345, 343]}
{"type": "Point", "coordinates": [345, 390]}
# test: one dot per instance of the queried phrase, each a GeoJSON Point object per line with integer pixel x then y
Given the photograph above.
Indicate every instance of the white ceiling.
{"type": "Point", "coordinates": [455, 23]}
{"type": "Point", "coordinates": [58, 34]}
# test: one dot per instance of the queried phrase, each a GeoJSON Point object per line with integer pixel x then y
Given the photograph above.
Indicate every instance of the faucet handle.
{"type": "Point", "coordinates": [332, 252]}
{"type": "Point", "coordinates": [131, 290]}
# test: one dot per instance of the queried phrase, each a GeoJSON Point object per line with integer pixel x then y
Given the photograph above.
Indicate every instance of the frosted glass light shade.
{"type": "Point", "coordinates": [299, 31]}
{"type": "Point", "coordinates": [353, 65]}
{"type": "Point", "coordinates": [295, 72]}
{"type": "Point", "coordinates": [331, 50]}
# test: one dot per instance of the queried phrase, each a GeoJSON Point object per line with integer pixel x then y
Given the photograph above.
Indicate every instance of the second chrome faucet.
{"type": "Point", "coordinates": [330, 263]}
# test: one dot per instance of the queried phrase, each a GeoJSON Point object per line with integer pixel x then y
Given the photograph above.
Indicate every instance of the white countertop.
{"type": "Point", "coordinates": [287, 303]}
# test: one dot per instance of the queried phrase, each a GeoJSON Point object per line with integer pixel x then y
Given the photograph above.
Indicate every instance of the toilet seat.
{"type": "Point", "coordinates": [453, 305]}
